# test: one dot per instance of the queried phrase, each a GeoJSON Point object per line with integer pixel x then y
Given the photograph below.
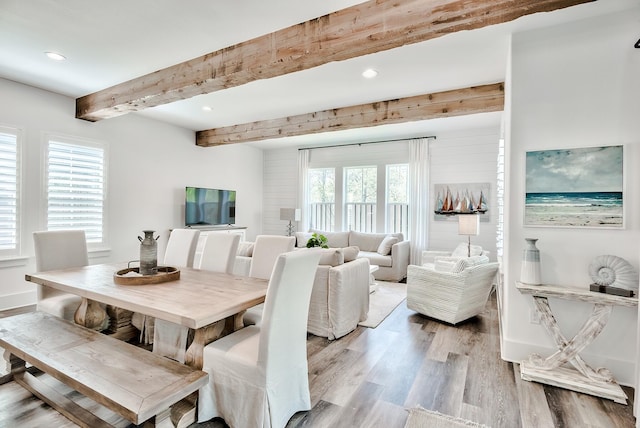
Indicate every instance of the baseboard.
{"type": "Point", "coordinates": [18, 300]}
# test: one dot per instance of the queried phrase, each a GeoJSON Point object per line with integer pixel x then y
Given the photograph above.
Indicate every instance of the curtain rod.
{"type": "Point", "coordinates": [367, 142]}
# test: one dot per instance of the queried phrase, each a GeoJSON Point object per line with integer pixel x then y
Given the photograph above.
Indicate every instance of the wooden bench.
{"type": "Point", "coordinates": [132, 382]}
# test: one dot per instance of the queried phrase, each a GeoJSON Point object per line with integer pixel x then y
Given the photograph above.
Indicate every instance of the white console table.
{"type": "Point", "coordinates": [599, 382]}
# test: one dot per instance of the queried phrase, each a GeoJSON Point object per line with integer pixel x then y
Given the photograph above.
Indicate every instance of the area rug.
{"type": "Point", "coordinates": [383, 301]}
{"type": "Point", "coordinates": [423, 418]}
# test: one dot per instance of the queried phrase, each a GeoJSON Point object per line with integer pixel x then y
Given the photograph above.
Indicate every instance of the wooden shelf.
{"type": "Point", "coordinates": [575, 293]}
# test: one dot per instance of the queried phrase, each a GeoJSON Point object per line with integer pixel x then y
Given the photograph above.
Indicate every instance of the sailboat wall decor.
{"type": "Point", "coordinates": [465, 198]}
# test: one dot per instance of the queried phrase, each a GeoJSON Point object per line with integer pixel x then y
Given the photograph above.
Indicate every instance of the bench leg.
{"type": "Point", "coordinates": [68, 408]}
{"type": "Point", "coordinates": [13, 366]}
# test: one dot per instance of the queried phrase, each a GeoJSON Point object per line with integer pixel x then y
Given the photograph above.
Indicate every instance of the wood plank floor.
{"type": "Point", "coordinates": [371, 376]}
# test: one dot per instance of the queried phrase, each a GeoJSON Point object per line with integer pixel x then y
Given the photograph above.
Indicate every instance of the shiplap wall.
{"type": "Point", "coordinates": [280, 188]}
{"type": "Point", "coordinates": [465, 157]}
{"type": "Point", "coordinates": [468, 156]}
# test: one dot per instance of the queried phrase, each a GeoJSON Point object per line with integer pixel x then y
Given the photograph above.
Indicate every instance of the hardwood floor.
{"type": "Point", "coordinates": [371, 376]}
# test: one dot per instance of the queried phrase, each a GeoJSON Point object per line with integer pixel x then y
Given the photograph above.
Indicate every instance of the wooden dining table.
{"type": "Point", "coordinates": [210, 303]}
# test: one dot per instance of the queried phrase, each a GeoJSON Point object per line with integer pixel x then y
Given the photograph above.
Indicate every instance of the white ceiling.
{"type": "Point", "coordinates": [109, 42]}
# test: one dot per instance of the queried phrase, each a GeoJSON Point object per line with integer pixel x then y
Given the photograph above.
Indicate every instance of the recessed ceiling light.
{"type": "Point", "coordinates": [369, 73]}
{"type": "Point", "coordinates": [206, 108]}
{"type": "Point", "coordinates": [55, 56]}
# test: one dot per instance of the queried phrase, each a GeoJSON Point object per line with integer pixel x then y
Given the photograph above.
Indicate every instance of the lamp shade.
{"type": "Point", "coordinates": [468, 224]}
{"type": "Point", "coordinates": [290, 214]}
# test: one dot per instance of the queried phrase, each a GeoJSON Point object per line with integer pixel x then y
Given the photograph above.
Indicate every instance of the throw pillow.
{"type": "Point", "coordinates": [444, 265]}
{"type": "Point", "coordinates": [385, 246]}
{"type": "Point", "coordinates": [331, 257]}
{"type": "Point", "coordinates": [350, 253]}
{"type": "Point", "coordinates": [462, 250]}
{"type": "Point", "coordinates": [468, 262]}
{"type": "Point", "coordinates": [302, 238]}
{"type": "Point", "coordinates": [245, 249]}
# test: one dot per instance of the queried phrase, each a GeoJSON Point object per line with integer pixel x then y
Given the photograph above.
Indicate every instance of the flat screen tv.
{"type": "Point", "coordinates": [209, 207]}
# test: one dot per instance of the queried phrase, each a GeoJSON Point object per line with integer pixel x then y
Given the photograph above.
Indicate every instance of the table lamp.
{"type": "Point", "coordinates": [290, 214]}
{"type": "Point", "coordinates": [468, 224]}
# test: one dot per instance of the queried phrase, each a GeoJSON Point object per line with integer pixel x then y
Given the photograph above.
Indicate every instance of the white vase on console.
{"type": "Point", "coordinates": [530, 270]}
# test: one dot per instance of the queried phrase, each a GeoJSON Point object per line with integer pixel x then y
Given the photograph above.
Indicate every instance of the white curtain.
{"type": "Point", "coordinates": [303, 168]}
{"type": "Point", "coordinates": [419, 196]}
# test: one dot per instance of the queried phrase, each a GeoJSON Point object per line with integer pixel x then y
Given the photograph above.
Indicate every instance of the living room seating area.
{"type": "Point", "coordinates": [389, 251]}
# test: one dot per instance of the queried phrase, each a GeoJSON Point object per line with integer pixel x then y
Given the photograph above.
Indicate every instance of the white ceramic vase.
{"type": "Point", "coordinates": [530, 271]}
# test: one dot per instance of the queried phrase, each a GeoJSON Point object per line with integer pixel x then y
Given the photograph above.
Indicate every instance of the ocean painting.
{"type": "Point", "coordinates": [575, 187]}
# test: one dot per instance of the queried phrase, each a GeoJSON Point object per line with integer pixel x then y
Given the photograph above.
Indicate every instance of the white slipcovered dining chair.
{"type": "Point", "coordinates": [219, 252]}
{"type": "Point", "coordinates": [180, 252]}
{"type": "Point", "coordinates": [59, 249]}
{"type": "Point", "coordinates": [266, 250]}
{"type": "Point", "coordinates": [181, 247]}
{"type": "Point", "coordinates": [258, 376]}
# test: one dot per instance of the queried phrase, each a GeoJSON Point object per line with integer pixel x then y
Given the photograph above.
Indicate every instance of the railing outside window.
{"type": "Point", "coordinates": [322, 216]}
{"type": "Point", "coordinates": [398, 219]}
{"type": "Point", "coordinates": [361, 216]}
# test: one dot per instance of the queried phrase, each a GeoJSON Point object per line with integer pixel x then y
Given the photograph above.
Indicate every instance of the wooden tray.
{"type": "Point", "coordinates": [165, 274]}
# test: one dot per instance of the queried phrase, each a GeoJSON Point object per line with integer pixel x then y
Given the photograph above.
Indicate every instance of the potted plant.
{"type": "Point", "coordinates": [317, 241]}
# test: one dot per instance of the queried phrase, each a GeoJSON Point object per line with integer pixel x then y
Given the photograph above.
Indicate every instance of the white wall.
{"type": "Point", "coordinates": [150, 163]}
{"type": "Point", "coordinates": [468, 156]}
{"type": "Point", "coordinates": [573, 86]}
{"type": "Point", "coordinates": [280, 188]}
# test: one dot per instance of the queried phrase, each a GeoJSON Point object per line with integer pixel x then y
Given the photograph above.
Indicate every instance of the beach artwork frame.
{"type": "Point", "coordinates": [575, 187]}
{"type": "Point", "coordinates": [461, 198]}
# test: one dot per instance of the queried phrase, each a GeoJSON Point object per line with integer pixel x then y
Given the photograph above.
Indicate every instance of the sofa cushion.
{"type": "Point", "coordinates": [334, 239]}
{"type": "Point", "coordinates": [302, 238]}
{"type": "Point", "coordinates": [384, 249]}
{"type": "Point", "coordinates": [375, 258]}
{"type": "Point", "coordinates": [366, 241]}
{"type": "Point", "coordinates": [350, 253]}
{"type": "Point", "coordinates": [245, 249]}
{"type": "Point", "coordinates": [331, 256]}
{"type": "Point", "coordinates": [462, 250]}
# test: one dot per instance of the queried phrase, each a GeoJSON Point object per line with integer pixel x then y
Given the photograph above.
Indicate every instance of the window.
{"type": "Point", "coordinates": [361, 194]}
{"type": "Point", "coordinates": [356, 190]}
{"type": "Point", "coordinates": [75, 186]}
{"type": "Point", "coordinates": [322, 198]}
{"type": "Point", "coordinates": [9, 192]}
{"type": "Point", "coordinates": [398, 199]}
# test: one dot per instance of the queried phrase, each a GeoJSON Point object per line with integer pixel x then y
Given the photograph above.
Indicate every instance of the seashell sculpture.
{"type": "Point", "coordinates": [613, 271]}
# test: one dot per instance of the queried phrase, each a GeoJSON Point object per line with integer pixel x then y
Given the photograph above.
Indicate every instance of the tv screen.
{"type": "Point", "coordinates": [209, 207]}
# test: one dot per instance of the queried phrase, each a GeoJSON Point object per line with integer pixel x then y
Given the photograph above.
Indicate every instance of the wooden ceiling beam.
{"type": "Point", "coordinates": [477, 99]}
{"type": "Point", "coordinates": [366, 28]}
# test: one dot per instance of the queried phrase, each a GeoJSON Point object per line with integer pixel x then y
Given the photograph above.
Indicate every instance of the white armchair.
{"type": "Point", "coordinates": [451, 289]}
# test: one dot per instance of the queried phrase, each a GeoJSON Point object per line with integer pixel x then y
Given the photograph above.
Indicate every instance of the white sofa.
{"type": "Point", "coordinates": [340, 295]}
{"type": "Point", "coordinates": [389, 251]}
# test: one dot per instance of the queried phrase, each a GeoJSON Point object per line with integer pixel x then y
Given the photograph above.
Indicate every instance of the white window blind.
{"type": "Point", "coordinates": [9, 192]}
{"type": "Point", "coordinates": [76, 188]}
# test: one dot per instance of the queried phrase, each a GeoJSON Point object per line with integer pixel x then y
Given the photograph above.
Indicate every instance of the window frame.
{"type": "Point", "coordinates": [81, 142]}
{"type": "Point", "coordinates": [14, 253]}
